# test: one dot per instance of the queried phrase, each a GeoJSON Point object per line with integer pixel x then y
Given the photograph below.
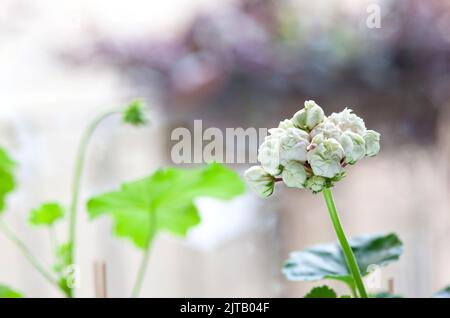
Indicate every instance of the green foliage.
{"type": "Point", "coordinates": [327, 261]}
{"type": "Point", "coordinates": [7, 181]}
{"type": "Point", "coordinates": [47, 214]}
{"type": "Point", "coordinates": [385, 295]}
{"type": "Point", "coordinates": [164, 201]}
{"type": "Point", "coordinates": [62, 261]}
{"type": "Point", "coordinates": [7, 292]}
{"type": "Point", "coordinates": [134, 114]}
{"type": "Point", "coordinates": [443, 293]}
{"type": "Point", "coordinates": [321, 292]}
{"type": "Point", "coordinates": [62, 257]}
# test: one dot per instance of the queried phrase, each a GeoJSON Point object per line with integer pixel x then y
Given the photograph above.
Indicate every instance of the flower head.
{"type": "Point", "coordinates": [310, 151]}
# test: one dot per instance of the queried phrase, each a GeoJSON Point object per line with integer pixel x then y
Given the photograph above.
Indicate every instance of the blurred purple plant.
{"type": "Point", "coordinates": [261, 54]}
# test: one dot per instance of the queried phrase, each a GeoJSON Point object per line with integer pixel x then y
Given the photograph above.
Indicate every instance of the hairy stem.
{"type": "Point", "coordinates": [348, 253]}
{"type": "Point", "coordinates": [4, 228]}
{"type": "Point", "coordinates": [79, 165]}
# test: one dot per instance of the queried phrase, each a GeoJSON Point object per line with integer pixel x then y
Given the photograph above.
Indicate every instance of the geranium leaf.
{"type": "Point", "coordinates": [46, 214]}
{"type": "Point", "coordinates": [443, 293]}
{"type": "Point", "coordinates": [7, 181]}
{"type": "Point", "coordinates": [327, 261]}
{"type": "Point", "coordinates": [164, 201]}
{"type": "Point", "coordinates": [321, 292]}
{"type": "Point", "coordinates": [7, 292]}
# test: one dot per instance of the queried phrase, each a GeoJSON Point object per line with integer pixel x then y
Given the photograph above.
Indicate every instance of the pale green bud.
{"type": "Point", "coordinates": [325, 158]}
{"type": "Point", "coordinates": [328, 129]}
{"type": "Point", "coordinates": [276, 132]}
{"type": "Point", "coordinates": [354, 146]}
{"type": "Point", "coordinates": [260, 181]}
{"type": "Point", "coordinates": [316, 184]}
{"type": "Point", "coordinates": [346, 120]}
{"type": "Point", "coordinates": [293, 144]}
{"type": "Point", "coordinates": [318, 139]}
{"type": "Point", "coordinates": [269, 155]}
{"type": "Point", "coordinates": [308, 117]}
{"type": "Point", "coordinates": [285, 124]}
{"type": "Point", "coordinates": [134, 114]}
{"type": "Point", "coordinates": [294, 175]}
{"type": "Point", "coordinates": [372, 139]}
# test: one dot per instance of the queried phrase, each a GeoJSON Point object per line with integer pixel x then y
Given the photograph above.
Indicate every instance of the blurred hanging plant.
{"type": "Point", "coordinates": [140, 209]}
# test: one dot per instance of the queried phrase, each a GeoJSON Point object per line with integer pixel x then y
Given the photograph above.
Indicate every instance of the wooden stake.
{"type": "Point", "coordinates": [100, 279]}
{"type": "Point", "coordinates": [391, 285]}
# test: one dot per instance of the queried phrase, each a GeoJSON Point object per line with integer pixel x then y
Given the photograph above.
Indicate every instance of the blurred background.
{"type": "Point", "coordinates": [241, 63]}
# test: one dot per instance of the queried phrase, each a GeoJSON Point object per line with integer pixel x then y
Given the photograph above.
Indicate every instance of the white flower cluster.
{"type": "Point", "coordinates": [310, 150]}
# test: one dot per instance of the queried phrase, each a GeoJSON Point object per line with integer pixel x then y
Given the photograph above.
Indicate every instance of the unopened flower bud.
{"type": "Point", "coordinates": [285, 124]}
{"type": "Point", "coordinates": [328, 129]}
{"type": "Point", "coordinates": [294, 175]}
{"type": "Point", "coordinates": [269, 155]}
{"type": "Point", "coordinates": [372, 139]}
{"type": "Point", "coordinates": [354, 146]}
{"type": "Point", "coordinates": [308, 117]}
{"type": "Point", "coordinates": [346, 120]}
{"type": "Point", "coordinates": [260, 181]}
{"type": "Point", "coordinates": [316, 184]}
{"type": "Point", "coordinates": [134, 114]}
{"type": "Point", "coordinates": [318, 139]}
{"type": "Point", "coordinates": [325, 159]}
{"type": "Point", "coordinates": [293, 145]}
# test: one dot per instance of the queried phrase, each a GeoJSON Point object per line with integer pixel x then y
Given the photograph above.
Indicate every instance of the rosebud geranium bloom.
{"type": "Point", "coordinates": [261, 181]}
{"type": "Point", "coordinates": [311, 150]}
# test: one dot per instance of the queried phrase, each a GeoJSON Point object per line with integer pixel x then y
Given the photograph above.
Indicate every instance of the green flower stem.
{"type": "Point", "coordinates": [145, 258]}
{"type": "Point", "coordinates": [353, 289]}
{"type": "Point", "coordinates": [348, 253]}
{"type": "Point", "coordinates": [79, 165]}
{"type": "Point", "coordinates": [4, 228]}
{"type": "Point", "coordinates": [141, 273]}
{"type": "Point", "coordinates": [53, 239]}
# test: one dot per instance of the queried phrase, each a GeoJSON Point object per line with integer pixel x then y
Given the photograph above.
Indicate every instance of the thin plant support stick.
{"type": "Point", "coordinates": [79, 165]}
{"type": "Point", "coordinates": [27, 253]}
{"type": "Point", "coordinates": [100, 279]}
{"type": "Point", "coordinates": [391, 285]}
{"type": "Point", "coordinates": [348, 253]}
